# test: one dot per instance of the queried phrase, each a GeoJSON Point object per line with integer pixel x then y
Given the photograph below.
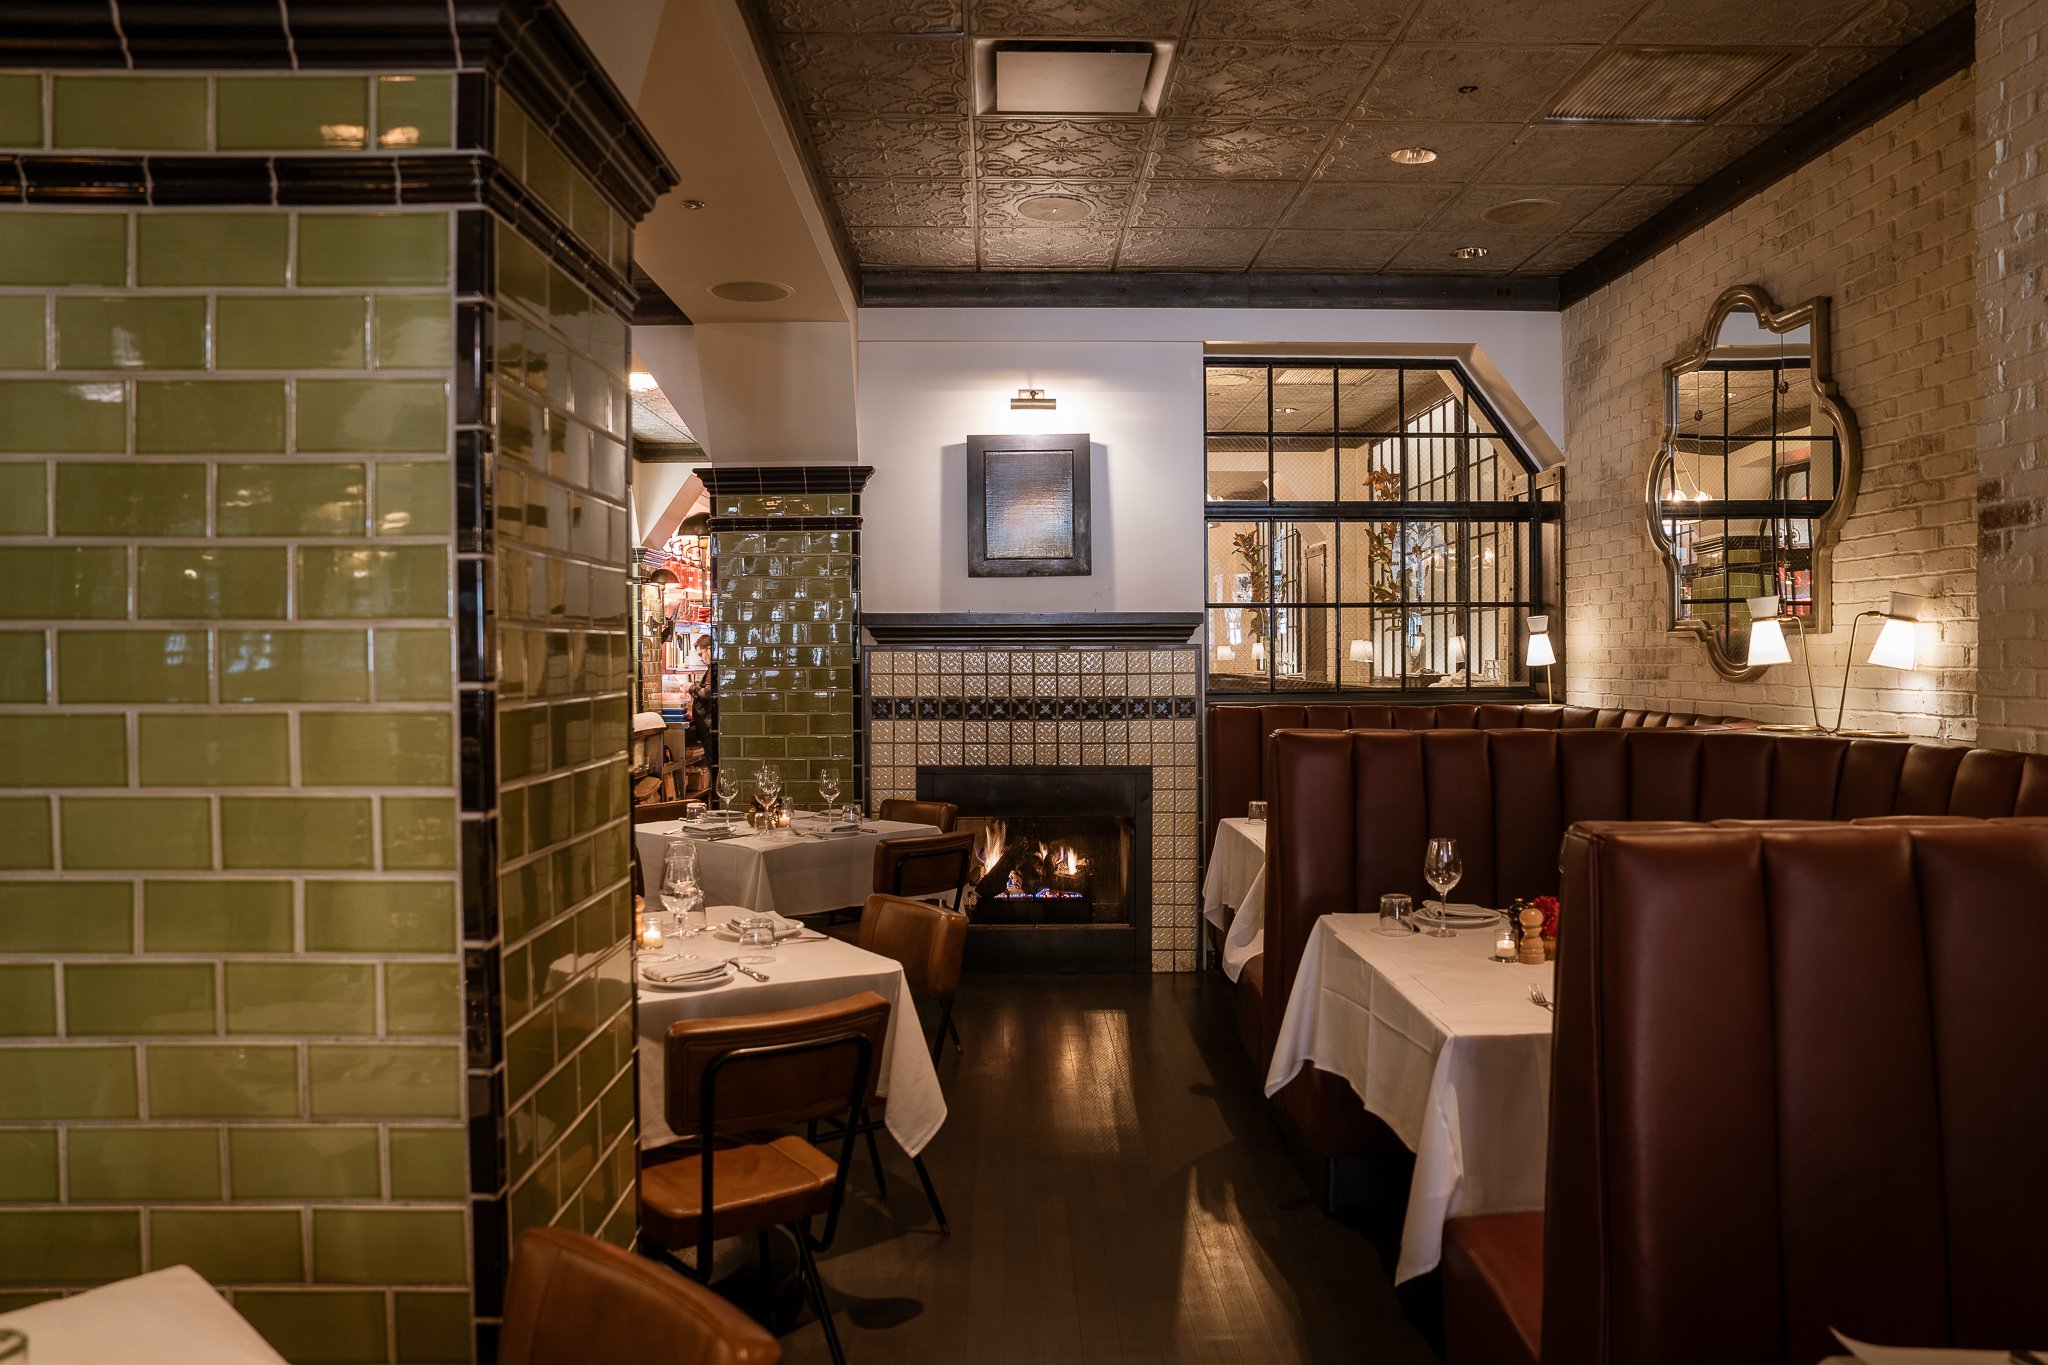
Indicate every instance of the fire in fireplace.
{"type": "Point", "coordinates": [1049, 870]}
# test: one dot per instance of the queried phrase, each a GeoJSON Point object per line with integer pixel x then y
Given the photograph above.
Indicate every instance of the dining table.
{"type": "Point", "coordinates": [167, 1317]}
{"type": "Point", "coordinates": [806, 869]}
{"type": "Point", "coordinates": [1444, 1044]}
{"type": "Point", "coordinates": [806, 968]}
{"type": "Point", "coordinates": [1234, 891]}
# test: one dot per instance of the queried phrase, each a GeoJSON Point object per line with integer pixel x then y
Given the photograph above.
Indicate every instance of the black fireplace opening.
{"type": "Point", "coordinates": [1061, 878]}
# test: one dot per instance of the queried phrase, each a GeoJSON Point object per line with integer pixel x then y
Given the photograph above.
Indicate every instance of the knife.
{"type": "Point", "coordinates": [749, 971]}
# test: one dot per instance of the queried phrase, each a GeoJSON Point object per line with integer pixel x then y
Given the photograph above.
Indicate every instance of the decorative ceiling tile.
{"type": "Point", "coordinates": [1564, 252]}
{"type": "Point", "coordinates": [1089, 205]}
{"type": "Point", "coordinates": [1330, 250]}
{"type": "Point", "coordinates": [914, 248]}
{"type": "Point", "coordinates": [1213, 79]}
{"type": "Point", "coordinates": [1630, 207]}
{"type": "Point", "coordinates": [925, 148]}
{"type": "Point", "coordinates": [1892, 23]}
{"type": "Point", "coordinates": [1519, 207]}
{"type": "Point", "coordinates": [1198, 150]}
{"type": "Point", "coordinates": [1054, 248]}
{"type": "Point", "coordinates": [1211, 203]}
{"type": "Point", "coordinates": [1712, 21]}
{"type": "Point", "coordinates": [1152, 249]}
{"type": "Point", "coordinates": [1586, 153]}
{"type": "Point", "coordinates": [1471, 84]}
{"type": "Point", "coordinates": [863, 16]}
{"type": "Point", "coordinates": [1360, 151]}
{"type": "Point", "coordinates": [1708, 152]}
{"type": "Point", "coordinates": [1091, 18]}
{"type": "Point", "coordinates": [1350, 20]}
{"type": "Point", "coordinates": [1519, 21]}
{"type": "Point", "coordinates": [904, 203]}
{"type": "Point", "coordinates": [1060, 149]}
{"type": "Point", "coordinates": [876, 75]}
{"type": "Point", "coordinates": [1810, 80]}
{"type": "Point", "coordinates": [1429, 253]}
{"type": "Point", "coordinates": [1367, 207]}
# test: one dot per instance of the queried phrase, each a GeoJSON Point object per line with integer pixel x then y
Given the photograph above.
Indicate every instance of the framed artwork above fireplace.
{"type": "Point", "coordinates": [1028, 506]}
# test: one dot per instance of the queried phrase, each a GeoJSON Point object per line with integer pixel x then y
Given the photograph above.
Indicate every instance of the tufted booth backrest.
{"type": "Point", "coordinates": [1352, 809]}
{"type": "Point", "coordinates": [1796, 1081]}
{"type": "Point", "coordinates": [1235, 754]}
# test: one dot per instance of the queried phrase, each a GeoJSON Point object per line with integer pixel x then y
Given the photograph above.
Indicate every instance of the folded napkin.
{"type": "Point", "coordinates": [673, 972]}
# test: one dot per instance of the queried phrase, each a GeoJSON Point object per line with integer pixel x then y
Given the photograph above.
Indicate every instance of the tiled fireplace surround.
{"type": "Point", "coordinates": [1053, 706]}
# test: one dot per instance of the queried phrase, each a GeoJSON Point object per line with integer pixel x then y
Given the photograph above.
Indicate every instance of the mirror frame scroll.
{"type": "Point", "coordinates": [1814, 314]}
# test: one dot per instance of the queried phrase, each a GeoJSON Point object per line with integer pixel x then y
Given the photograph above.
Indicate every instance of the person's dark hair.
{"type": "Point", "coordinates": [702, 642]}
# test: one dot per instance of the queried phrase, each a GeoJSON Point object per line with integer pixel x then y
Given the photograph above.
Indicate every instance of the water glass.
{"type": "Point", "coordinates": [1256, 811]}
{"type": "Point", "coordinates": [852, 816]}
{"type": "Point", "coordinates": [1395, 908]}
{"type": "Point", "coordinates": [757, 936]}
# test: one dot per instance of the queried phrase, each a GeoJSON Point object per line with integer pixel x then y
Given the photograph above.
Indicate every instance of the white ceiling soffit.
{"type": "Point", "coordinates": [707, 100]}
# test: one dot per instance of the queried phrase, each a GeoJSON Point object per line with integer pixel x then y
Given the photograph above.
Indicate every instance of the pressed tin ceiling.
{"type": "Point", "coordinates": [1269, 152]}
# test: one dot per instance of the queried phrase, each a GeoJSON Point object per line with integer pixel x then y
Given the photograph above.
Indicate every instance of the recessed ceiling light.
{"type": "Point", "coordinates": [1288, 409]}
{"type": "Point", "coordinates": [1469, 253]}
{"type": "Point", "coordinates": [693, 203]}
{"type": "Point", "coordinates": [1412, 156]}
{"type": "Point", "coordinates": [1522, 212]}
{"type": "Point", "coordinates": [750, 291]}
{"type": "Point", "coordinates": [1054, 208]}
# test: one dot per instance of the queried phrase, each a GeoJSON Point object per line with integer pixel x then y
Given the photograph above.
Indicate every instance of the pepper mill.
{"type": "Point", "coordinates": [1530, 950]}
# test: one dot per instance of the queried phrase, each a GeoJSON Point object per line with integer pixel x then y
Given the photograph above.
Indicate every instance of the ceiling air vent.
{"type": "Point", "coordinates": [1666, 84]}
{"type": "Point", "coordinates": [1036, 77]}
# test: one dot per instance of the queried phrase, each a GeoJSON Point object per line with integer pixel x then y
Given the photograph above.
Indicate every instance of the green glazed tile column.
{"type": "Point", "coordinates": [308, 979]}
{"type": "Point", "coordinates": [785, 554]}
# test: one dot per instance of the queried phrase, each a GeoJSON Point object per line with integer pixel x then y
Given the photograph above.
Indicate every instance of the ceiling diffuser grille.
{"type": "Point", "coordinates": [1665, 85]}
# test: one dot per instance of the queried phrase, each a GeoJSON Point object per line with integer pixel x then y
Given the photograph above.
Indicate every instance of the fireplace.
{"type": "Point", "coordinates": [1060, 879]}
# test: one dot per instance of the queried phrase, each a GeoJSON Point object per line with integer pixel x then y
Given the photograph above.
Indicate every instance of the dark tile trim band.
{"type": "Point", "coordinates": [785, 478]}
{"type": "Point", "coordinates": [974, 629]}
{"type": "Point", "coordinates": [529, 44]}
{"type": "Point", "coordinates": [717, 524]}
{"type": "Point", "coordinates": [1030, 708]}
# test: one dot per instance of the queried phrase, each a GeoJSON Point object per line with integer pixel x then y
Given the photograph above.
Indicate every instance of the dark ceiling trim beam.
{"type": "Point", "coordinates": [656, 308]}
{"type": "Point", "coordinates": [1912, 71]}
{"type": "Point", "coordinates": [1178, 289]}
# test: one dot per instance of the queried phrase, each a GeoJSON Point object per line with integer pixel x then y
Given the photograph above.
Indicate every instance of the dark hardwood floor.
{"type": "Point", "coordinates": [1116, 1193]}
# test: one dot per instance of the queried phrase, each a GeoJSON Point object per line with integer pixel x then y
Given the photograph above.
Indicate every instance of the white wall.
{"type": "Point", "coordinates": [1130, 378]}
{"type": "Point", "coordinates": [758, 392]}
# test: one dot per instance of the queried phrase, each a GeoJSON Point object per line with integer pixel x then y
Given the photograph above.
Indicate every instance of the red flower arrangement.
{"type": "Point", "coordinates": [1548, 905]}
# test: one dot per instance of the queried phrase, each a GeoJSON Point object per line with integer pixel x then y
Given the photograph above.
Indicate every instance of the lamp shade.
{"type": "Point", "coordinates": [1767, 643]}
{"type": "Point", "coordinates": [1898, 645]}
{"type": "Point", "coordinates": [1454, 652]}
{"type": "Point", "coordinates": [1361, 651]}
{"type": "Point", "coordinates": [1259, 653]}
{"type": "Point", "coordinates": [1224, 654]}
{"type": "Point", "coordinates": [1540, 655]}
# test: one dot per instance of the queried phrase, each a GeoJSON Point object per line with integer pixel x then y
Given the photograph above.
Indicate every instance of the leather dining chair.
{"type": "Point", "coordinates": [574, 1299]}
{"type": "Point", "coordinates": [922, 865]}
{"type": "Point", "coordinates": [647, 812]}
{"type": "Point", "coordinates": [731, 1076]}
{"type": "Point", "coordinates": [929, 941]}
{"type": "Point", "coordinates": [943, 814]}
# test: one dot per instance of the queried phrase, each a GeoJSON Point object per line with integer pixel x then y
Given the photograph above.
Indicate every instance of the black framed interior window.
{"type": "Point", "coordinates": [1372, 526]}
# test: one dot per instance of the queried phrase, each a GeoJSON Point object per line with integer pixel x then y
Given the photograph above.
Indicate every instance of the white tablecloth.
{"type": "Point", "coordinates": [167, 1317]}
{"type": "Point", "coordinates": [1234, 892]}
{"type": "Point", "coordinates": [808, 973]}
{"type": "Point", "coordinates": [1443, 1044]}
{"type": "Point", "coordinates": [789, 874]}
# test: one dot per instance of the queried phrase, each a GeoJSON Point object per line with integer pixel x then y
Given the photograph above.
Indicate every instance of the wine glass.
{"type": "Point", "coordinates": [769, 780]}
{"type": "Point", "coordinates": [1441, 868]}
{"type": "Point", "coordinates": [828, 787]}
{"type": "Point", "coordinates": [728, 788]}
{"type": "Point", "coordinates": [681, 896]}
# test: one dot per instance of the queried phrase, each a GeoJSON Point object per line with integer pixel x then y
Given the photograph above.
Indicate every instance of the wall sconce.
{"type": "Point", "coordinates": [1033, 400]}
{"type": "Point", "coordinates": [1539, 653]}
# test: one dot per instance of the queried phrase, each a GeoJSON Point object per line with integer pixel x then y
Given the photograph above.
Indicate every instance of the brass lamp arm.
{"type": "Point", "coordinates": [1848, 661]}
{"type": "Point", "coordinates": [1806, 653]}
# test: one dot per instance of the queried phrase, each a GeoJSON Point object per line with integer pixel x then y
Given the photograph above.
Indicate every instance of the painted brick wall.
{"type": "Point", "coordinates": [1882, 225]}
{"type": "Point", "coordinates": [2012, 123]}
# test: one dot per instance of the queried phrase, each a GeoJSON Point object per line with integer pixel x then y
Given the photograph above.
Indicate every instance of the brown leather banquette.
{"type": "Point", "coordinates": [1351, 811]}
{"type": "Point", "coordinates": [1236, 749]}
{"type": "Point", "coordinates": [1795, 1086]}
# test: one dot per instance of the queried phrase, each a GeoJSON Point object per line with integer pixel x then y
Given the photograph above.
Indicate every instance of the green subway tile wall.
{"type": "Point", "coordinates": [227, 714]}
{"type": "Point", "coordinates": [280, 804]}
{"type": "Point", "coordinates": [564, 662]}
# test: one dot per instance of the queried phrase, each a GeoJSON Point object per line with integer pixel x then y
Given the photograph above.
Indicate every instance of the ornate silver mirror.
{"type": "Point", "coordinates": [1757, 469]}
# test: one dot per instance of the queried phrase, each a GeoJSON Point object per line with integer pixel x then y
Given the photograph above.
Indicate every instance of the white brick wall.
{"type": "Point", "coordinates": [2012, 119]}
{"type": "Point", "coordinates": [1882, 225]}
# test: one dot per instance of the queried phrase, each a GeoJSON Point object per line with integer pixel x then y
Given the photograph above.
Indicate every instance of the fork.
{"type": "Point", "coordinates": [1537, 997]}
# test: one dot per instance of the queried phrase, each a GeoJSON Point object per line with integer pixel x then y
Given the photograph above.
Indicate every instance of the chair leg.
{"type": "Point", "coordinates": [947, 1026]}
{"type": "Point", "coordinates": [931, 1194]}
{"type": "Point", "coordinates": [874, 1155]}
{"type": "Point", "coordinates": [817, 1288]}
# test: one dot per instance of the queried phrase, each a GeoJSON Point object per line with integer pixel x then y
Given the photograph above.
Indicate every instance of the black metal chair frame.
{"type": "Point", "coordinates": [965, 857]}
{"type": "Point", "coordinates": [806, 1245]}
